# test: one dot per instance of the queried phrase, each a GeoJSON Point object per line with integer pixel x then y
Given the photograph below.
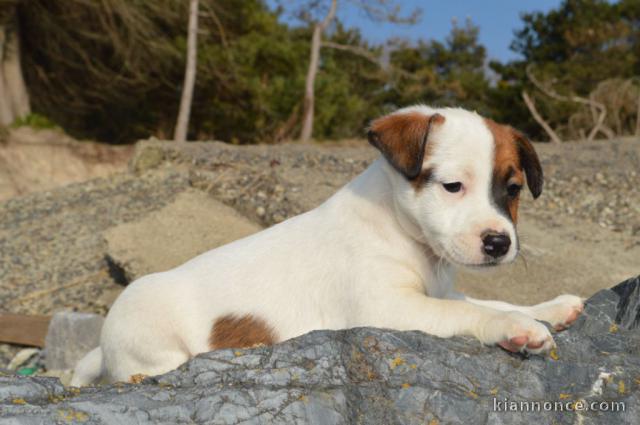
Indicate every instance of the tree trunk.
{"type": "Point", "coordinates": [316, 41]}
{"type": "Point", "coordinates": [182, 124]}
{"type": "Point", "coordinates": [14, 99]}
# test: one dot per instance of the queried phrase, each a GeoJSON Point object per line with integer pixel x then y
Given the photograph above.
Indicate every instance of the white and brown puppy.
{"type": "Point", "coordinates": [380, 252]}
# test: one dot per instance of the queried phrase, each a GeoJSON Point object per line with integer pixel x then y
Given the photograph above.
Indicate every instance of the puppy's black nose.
{"type": "Point", "coordinates": [495, 245]}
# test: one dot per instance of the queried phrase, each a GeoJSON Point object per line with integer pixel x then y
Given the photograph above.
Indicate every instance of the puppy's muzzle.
{"type": "Point", "coordinates": [495, 244]}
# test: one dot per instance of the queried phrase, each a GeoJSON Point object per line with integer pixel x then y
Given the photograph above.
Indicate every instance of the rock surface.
{"type": "Point", "coordinates": [370, 376]}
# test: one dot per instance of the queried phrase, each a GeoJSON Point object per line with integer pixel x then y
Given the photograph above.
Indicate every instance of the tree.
{"type": "Point", "coordinates": [103, 69]}
{"type": "Point", "coordinates": [115, 66]}
{"type": "Point", "coordinates": [570, 52]}
{"type": "Point", "coordinates": [14, 99]}
{"type": "Point", "coordinates": [350, 89]}
{"type": "Point", "coordinates": [182, 125]}
{"type": "Point", "coordinates": [378, 10]}
{"type": "Point", "coordinates": [309, 88]}
{"type": "Point", "coordinates": [449, 73]}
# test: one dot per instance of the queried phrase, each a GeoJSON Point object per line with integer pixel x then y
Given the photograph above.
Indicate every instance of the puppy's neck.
{"type": "Point", "coordinates": [374, 191]}
{"type": "Point", "coordinates": [375, 188]}
{"type": "Point", "coordinates": [370, 198]}
{"type": "Point", "coordinates": [406, 222]}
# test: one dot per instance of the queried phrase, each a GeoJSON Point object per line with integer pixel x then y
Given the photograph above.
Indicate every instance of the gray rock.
{"type": "Point", "coordinates": [371, 376]}
{"type": "Point", "coordinates": [70, 336]}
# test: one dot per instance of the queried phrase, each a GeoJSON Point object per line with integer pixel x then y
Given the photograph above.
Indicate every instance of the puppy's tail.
{"type": "Point", "coordinates": [89, 369]}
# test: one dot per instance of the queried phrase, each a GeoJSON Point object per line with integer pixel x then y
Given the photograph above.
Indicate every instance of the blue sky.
{"type": "Point", "coordinates": [497, 20]}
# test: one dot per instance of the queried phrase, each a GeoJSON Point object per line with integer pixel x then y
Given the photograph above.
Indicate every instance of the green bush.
{"type": "Point", "coordinates": [34, 120]}
{"type": "Point", "coordinates": [113, 70]}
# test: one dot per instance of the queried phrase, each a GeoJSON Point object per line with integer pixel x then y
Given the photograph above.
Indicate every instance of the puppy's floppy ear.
{"type": "Point", "coordinates": [530, 164]}
{"type": "Point", "coordinates": [402, 139]}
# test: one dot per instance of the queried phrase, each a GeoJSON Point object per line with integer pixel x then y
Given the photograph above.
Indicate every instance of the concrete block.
{"type": "Point", "coordinates": [190, 225]}
{"type": "Point", "coordinates": [71, 335]}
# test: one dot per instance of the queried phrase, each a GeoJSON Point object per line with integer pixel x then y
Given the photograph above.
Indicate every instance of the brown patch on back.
{"type": "Point", "coordinates": [507, 168]}
{"type": "Point", "coordinates": [231, 331]}
{"type": "Point", "coordinates": [402, 138]}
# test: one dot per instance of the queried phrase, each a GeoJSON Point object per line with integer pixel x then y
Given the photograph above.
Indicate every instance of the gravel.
{"type": "Point", "coordinates": [596, 181]}
{"type": "Point", "coordinates": [52, 250]}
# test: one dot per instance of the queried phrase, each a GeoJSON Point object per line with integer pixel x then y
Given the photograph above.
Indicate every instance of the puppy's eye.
{"type": "Point", "coordinates": [513, 190]}
{"type": "Point", "coordinates": [452, 187]}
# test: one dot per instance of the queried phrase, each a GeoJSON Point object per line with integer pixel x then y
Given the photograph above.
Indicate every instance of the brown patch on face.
{"type": "Point", "coordinates": [245, 331]}
{"type": "Point", "coordinates": [423, 178]}
{"type": "Point", "coordinates": [513, 209]}
{"type": "Point", "coordinates": [402, 139]}
{"type": "Point", "coordinates": [507, 169]}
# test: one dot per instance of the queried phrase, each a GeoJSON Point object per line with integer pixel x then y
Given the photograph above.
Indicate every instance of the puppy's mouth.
{"type": "Point", "coordinates": [487, 265]}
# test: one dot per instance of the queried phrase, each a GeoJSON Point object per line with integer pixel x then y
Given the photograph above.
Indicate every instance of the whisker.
{"type": "Point", "coordinates": [524, 259]}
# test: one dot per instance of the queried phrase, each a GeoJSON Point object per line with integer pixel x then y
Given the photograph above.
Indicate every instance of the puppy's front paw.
{"type": "Point", "coordinates": [560, 312]}
{"type": "Point", "coordinates": [517, 332]}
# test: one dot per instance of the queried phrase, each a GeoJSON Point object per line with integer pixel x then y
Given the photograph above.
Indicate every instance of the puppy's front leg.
{"type": "Point", "coordinates": [560, 312]}
{"type": "Point", "coordinates": [407, 309]}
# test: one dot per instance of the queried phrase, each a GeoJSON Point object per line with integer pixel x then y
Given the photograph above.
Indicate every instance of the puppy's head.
{"type": "Point", "coordinates": [457, 178]}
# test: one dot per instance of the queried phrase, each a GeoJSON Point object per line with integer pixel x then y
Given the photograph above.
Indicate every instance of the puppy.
{"type": "Point", "coordinates": [380, 252]}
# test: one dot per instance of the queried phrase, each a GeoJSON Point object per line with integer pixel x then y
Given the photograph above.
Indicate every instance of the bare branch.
{"type": "Point", "coordinates": [356, 50]}
{"type": "Point", "coordinates": [387, 11]}
{"type": "Point", "coordinates": [330, 15]}
{"type": "Point", "coordinates": [363, 53]}
{"type": "Point", "coordinates": [576, 99]}
{"type": "Point", "coordinates": [536, 116]}
{"type": "Point", "coordinates": [378, 10]}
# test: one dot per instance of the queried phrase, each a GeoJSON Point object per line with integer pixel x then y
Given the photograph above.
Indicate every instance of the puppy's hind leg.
{"type": "Point", "coordinates": [88, 369]}
{"type": "Point", "coordinates": [135, 344]}
{"type": "Point", "coordinates": [122, 366]}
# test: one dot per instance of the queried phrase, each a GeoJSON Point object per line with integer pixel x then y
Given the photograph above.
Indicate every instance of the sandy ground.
{"type": "Point", "coordinates": [572, 256]}
{"type": "Point", "coordinates": [36, 160]}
